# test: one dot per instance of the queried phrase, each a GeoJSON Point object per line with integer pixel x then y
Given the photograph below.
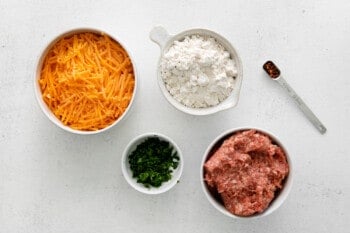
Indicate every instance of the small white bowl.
{"type": "Point", "coordinates": [276, 202]}
{"type": "Point", "coordinates": [160, 36]}
{"type": "Point", "coordinates": [127, 173]}
{"type": "Point", "coordinates": [38, 92]}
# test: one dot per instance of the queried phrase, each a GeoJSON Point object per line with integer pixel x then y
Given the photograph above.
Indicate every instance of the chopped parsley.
{"type": "Point", "coordinates": [153, 161]}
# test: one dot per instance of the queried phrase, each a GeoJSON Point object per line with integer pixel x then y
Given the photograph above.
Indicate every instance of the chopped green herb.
{"type": "Point", "coordinates": [153, 161]}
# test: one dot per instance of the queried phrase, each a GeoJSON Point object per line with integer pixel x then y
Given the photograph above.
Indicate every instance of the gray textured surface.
{"type": "Point", "coordinates": [53, 181]}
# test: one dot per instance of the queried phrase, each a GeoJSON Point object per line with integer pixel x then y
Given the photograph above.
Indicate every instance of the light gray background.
{"type": "Point", "coordinates": [54, 181]}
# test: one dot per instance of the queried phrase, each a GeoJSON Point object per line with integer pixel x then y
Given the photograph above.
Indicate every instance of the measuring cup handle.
{"type": "Point", "coordinates": [159, 35]}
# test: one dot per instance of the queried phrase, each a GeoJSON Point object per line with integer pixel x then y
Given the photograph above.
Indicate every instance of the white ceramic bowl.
{"type": "Point", "coordinates": [127, 173]}
{"type": "Point", "coordinates": [278, 200]}
{"type": "Point", "coordinates": [160, 36]}
{"type": "Point", "coordinates": [38, 92]}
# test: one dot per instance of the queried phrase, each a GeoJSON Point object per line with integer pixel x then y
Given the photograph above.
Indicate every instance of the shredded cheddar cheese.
{"type": "Point", "coordinates": [87, 80]}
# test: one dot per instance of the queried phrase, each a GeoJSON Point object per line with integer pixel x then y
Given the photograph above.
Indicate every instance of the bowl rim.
{"type": "Point", "coordinates": [231, 101]}
{"type": "Point", "coordinates": [37, 90]}
{"type": "Point", "coordinates": [176, 174]}
{"type": "Point", "coordinates": [276, 202]}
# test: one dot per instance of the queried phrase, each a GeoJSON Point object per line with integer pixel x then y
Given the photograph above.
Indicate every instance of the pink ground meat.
{"type": "Point", "coordinates": [246, 171]}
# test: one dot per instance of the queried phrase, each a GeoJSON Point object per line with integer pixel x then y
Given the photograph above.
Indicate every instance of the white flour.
{"type": "Point", "coordinates": [198, 72]}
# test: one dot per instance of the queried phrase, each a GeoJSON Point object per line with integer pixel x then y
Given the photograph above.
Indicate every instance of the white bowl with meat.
{"type": "Point", "coordinates": [246, 173]}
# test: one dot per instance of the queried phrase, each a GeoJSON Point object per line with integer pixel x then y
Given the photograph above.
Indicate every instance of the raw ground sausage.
{"type": "Point", "coordinates": [246, 171]}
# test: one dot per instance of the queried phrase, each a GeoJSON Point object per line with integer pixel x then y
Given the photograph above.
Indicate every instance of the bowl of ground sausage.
{"type": "Point", "coordinates": [246, 173]}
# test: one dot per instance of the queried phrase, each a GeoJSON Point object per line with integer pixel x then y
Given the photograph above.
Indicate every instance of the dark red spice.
{"type": "Point", "coordinates": [271, 69]}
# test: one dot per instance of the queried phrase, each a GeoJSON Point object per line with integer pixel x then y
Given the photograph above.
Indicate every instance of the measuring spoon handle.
{"type": "Point", "coordinates": [301, 104]}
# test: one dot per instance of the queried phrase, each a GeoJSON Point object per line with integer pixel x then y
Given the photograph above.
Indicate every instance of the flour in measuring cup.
{"type": "Point", "coordinates": [198, 72]}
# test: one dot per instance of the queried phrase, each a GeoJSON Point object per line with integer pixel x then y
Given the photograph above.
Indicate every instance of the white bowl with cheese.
{"type": "Point", "coordinates": [166, 42]}
{"type": "Point", "coordinates": [39, 92]}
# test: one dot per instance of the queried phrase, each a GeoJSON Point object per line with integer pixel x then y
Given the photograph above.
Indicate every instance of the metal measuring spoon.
{"type": "Point", "coordinates": [275, 74]}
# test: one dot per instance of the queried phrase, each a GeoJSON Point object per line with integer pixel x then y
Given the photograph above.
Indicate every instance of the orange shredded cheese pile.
{"type": "Point", "coordinates": [87, 80]}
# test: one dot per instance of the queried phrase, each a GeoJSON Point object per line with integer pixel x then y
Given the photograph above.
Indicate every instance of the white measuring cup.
{"type": "Point", "coordinates": [160, 36]}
